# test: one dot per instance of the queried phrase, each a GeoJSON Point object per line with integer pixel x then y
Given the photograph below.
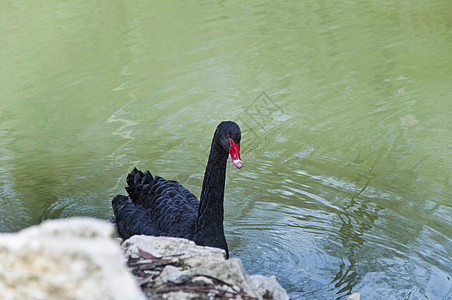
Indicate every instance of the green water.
{"type": "Point", "coordinates": [345, 109]}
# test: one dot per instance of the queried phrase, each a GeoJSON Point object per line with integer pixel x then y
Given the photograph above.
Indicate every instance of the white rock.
{"type": "Point", "coordinates": [202, 280]}
{"type": "Point", "coordinates": [354, 296]}
{"type": "Point", "coordinates": [74, 258]}
{"type": "Point", "coordinates": [269, 288]}
{"type": "Point", "coordinates": [169, 247]}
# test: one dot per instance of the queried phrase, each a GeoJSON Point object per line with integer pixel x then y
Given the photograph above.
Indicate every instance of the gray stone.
{"type": "Point", "coordinates": [269, 288]}
{"type": "Point", "coordinates": [230, 272]}
{"type": "Point", "coordinates": [190, 271]}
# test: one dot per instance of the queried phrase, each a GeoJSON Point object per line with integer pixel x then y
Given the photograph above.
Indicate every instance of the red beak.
{"type": "Point", "coordinates": [234, 150]}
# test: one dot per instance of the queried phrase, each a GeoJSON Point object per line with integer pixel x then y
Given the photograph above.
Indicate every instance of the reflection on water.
{"type": "Point", "coordinates": [344, 107]}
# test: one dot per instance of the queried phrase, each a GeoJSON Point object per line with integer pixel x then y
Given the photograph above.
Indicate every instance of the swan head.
{"type": "Point", "coordinates": [229, 135]}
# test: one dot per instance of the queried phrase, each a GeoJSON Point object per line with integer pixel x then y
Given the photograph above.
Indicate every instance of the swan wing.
{"type": "Point", "coordinates": [155, 206]}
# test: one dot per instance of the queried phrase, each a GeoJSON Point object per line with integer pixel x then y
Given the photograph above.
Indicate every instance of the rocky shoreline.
{"type": "Point", "coordinates": [80, 258]}
{"type": "Point", "coordinates": [172, 268]}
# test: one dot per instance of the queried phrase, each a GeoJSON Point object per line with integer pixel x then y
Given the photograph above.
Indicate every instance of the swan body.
{"type": "Point", "coordinates": [160, 207]}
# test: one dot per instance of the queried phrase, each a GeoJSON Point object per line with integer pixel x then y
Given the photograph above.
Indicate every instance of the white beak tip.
{"type": "Point", "coordinates": [238, 163]}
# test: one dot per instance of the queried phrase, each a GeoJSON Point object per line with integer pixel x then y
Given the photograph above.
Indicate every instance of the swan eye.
{"type": "Point", "coordinates": [227, 135]}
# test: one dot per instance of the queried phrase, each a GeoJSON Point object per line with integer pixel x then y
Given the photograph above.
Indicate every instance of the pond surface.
{"type": "Point", "coordinates": [345, 109]}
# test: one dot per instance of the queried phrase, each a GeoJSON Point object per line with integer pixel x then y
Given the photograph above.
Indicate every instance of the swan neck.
{"type": "Point", "coordinates": [212, 193]}
{"type": "Point", "coordinates": [209, 227]}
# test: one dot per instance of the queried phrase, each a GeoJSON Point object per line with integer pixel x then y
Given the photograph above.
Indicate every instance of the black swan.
{"type": "Point", "coordinates": [159, 207]}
